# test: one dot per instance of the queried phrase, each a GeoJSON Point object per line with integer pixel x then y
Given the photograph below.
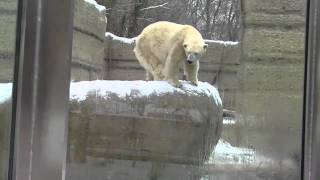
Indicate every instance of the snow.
{"type": "Point", "coordinates": [5, 91]}
{"type": "Point", "coordinates": [225, 43]}
{"type": "Point", "coordinates": [98, 6]}
{"type": "Point", "coordinates": [122, 39]}
{"type": "Point", "coordinates": [157, 6]}
{"type": "Point", "coordinates": [131, 40]}
{"type": "Point", "coordinates": [229, 121]}
{"type": "Point", "coordinates": [225, 153]}
{"type": "Point", "coordinates": [79, 90]}
{"type": "Point", "coordinates": [223, 147]}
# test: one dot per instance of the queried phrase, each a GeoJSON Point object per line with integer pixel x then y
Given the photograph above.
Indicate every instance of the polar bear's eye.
{"type": "Point", "coordinates": [185, 46]}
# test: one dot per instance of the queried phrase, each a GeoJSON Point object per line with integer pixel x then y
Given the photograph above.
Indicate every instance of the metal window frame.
{"type": "Point", "coordinates": [41, 90]}
{"type": "Point", "coordinates": [42, 76]}
{"type": "Point", "coordinates": [311, 123]}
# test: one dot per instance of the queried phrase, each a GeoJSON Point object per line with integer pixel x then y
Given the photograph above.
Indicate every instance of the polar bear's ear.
{"type": "Point", "coordinates": [205, 46]}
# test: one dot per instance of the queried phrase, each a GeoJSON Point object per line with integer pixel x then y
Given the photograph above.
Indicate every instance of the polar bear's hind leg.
{"type": "Point", "coordinates": [149, 76]}
{"type": "Point", "coordinates": [152, 65]}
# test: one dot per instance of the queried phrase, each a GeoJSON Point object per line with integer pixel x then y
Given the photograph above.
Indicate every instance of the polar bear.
{"type": "Point", "coordinates": [163, 47]}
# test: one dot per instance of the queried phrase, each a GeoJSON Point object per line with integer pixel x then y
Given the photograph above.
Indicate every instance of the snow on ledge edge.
{"type": "Point", "coordinates": [98, 6]}
{"type": "Point", "coordinates": [132, 40]}
{"type": "Point", "coordinates": [121, 39]}
{"type": "Point", "coordinates": [79, 90]}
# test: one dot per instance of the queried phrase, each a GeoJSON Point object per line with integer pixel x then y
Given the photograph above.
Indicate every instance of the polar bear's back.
{"type": "Point", "coordinates": [162, 29]}
{"type": "Point", "coordinates": [156, 38]}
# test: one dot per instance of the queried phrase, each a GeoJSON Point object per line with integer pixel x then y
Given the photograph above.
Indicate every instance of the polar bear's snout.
{"type": "Point", "coordinates": [192, 57]}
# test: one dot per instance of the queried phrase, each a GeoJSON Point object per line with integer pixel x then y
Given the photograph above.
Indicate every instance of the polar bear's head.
{"type": "Point", "coordinates": [194, 51]}
{"type": "Point", "coordinates": [194, 47]}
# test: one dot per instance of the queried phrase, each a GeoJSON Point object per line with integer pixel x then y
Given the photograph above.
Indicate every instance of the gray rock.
{"type": "Point", "coordinates": [171, 126]}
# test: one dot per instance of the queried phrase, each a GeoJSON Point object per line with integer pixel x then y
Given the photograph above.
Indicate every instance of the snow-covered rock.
{"type": "Point", "coordinates": [158, 114]}
{"type": "Point", "coordinates": [142, 120]}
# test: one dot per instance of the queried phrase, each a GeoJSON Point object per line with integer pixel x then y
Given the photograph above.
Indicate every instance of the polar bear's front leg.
{"type": "Point", "coordinates": [157, 71]}
{"type": "Point", "coordinates": [191, 71]}
{"type": "Point", "coordinates": [171, 70]}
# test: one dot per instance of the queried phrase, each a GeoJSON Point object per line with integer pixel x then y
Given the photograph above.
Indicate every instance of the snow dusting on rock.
{"type": "Point", "coordinates": [121, 39]}
{"type": "Point", "coordinates": [98, 6]}
{"type": "Point", "coordinates": [80, 90]}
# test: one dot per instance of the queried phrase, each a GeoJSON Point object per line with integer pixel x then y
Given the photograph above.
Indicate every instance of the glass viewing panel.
{"type": "Point", "coordinates": [241, 122]}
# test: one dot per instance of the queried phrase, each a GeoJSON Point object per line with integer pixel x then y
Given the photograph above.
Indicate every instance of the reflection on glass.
{"type": "Point", "coordinates": [243, 120]}
{"type": "Point", "coordinates": [8, 13]}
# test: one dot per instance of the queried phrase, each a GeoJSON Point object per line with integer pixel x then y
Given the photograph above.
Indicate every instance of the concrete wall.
{"type": "Point", "coordinates": [8, 13]}
{"type": "Point", "coordinates": [272, 69]}
{"type": "Point", "coordinates": [88, 42]}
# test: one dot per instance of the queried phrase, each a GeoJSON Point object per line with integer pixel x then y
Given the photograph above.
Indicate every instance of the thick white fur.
{"type": "Point", "coordinates": [163, 46]}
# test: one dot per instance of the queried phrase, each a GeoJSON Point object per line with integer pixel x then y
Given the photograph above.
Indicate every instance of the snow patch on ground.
{"type": "Point", "coordinates": [225, 153]}
{"type": "Point", "coordinates": [229, 121]}
{"type": "Point", "coordinates": [80, 90]}
{"type": "Point", "coordinates": [121, 39]}
{"type": "Point", "coordinates": [98, 6]}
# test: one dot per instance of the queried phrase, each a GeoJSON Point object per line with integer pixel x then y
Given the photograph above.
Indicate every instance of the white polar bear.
{"type": "Point", "coordinates": [163, 46]}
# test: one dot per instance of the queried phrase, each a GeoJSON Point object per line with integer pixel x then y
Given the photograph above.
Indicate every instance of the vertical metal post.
{"type": "Point", "coordinates": [311, 145]}
{"type": "Point", "coordinates": [42, 90]}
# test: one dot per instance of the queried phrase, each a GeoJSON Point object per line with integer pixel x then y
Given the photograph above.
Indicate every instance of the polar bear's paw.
{"type": "Point", "coordinates": [175, 83]}
{"type": "Point", "coordinates": [195, 83]}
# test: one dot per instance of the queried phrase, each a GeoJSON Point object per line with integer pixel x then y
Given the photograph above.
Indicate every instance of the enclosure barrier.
{"type": "Point", "coordinates": [250, 75]}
